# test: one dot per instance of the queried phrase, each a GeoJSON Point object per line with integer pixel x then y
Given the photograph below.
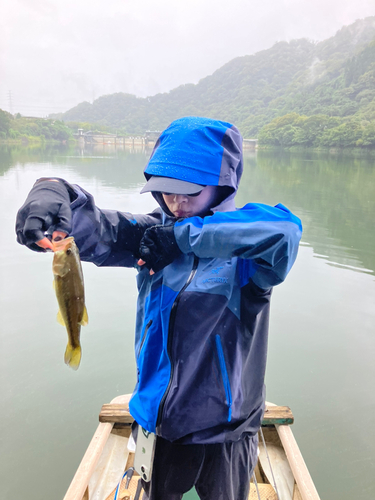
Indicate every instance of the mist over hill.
{"type": "Point", "coordinates": [334, 78]}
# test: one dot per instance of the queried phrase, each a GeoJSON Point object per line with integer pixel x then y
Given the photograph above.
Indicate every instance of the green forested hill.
{"type": "Point", "coordinates": [338, 109]}
{"type": "Point", "coordinates": [19, 128]}
{"type": "Point", "coordinates": [331, 82]}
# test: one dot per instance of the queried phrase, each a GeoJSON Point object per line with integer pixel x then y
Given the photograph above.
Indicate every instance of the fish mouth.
{"type": "Point", "coordinates": [63, 244]}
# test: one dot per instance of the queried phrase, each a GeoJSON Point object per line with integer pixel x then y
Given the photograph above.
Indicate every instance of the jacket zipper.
{"type": "Point", "coordinates": [224, 374]}
{"type": "Point", "coordinates": [172, 319]}
{"type": "Point", "coordinates": [144, 337]}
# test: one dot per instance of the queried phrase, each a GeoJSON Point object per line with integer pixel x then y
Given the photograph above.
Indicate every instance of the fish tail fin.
{"type": "Point", "coordinates": [72, 356]}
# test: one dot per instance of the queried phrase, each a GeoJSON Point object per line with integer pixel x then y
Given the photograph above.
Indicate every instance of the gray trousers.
{"type": "Point", "coordinates": [219, 471]}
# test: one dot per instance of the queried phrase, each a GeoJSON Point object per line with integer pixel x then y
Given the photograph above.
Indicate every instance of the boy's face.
{"type": "Point", "coordinates": [187, 205]}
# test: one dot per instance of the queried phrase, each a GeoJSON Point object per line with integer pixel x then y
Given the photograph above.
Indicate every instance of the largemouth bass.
{"type": "Point", "coordinates": [70, 293]}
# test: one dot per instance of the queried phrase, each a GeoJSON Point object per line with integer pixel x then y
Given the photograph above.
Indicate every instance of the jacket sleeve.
{"type": "Point", "coordinates": [265, 238]}
{"type": "Point", "coordinates": [107, 237]}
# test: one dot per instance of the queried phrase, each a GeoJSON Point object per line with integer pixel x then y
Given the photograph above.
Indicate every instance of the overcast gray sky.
{"type": "Point", "coordinates": [57, 53]}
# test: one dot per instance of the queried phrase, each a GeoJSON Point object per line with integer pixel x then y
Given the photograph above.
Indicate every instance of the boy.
{"type": "Point", "coordinates": [206, 272]}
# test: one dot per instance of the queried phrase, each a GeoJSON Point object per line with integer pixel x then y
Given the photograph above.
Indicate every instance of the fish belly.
{"type": "Point", "coordinates": [70, 297]}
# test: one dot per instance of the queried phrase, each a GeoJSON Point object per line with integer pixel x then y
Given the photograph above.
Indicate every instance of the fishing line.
{"type": "Point", "coordinates": [118, 486]}
{"type": "Point", "coordinates": [256, 486]}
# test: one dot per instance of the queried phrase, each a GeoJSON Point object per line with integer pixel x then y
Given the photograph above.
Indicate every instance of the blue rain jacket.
{"type": "Point", "coordinates": [202, 322]}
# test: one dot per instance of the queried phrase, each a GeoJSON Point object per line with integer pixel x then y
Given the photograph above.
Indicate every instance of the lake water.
{"type": "Point", "coordinates": [322, 338]}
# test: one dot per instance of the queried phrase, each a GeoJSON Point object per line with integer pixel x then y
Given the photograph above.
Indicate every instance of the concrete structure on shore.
{"type": "Point", "coordinates": [90, 138]}
{"type": "Point", "coordinates": [147, 140]}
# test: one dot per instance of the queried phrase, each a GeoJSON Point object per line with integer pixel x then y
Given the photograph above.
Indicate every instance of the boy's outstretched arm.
{"type": "Point", "coordinates": [104, 237]}
{"type": "Point", "coordinates": [266, 237]}
{"type": "Point", "coordinates": [108, 237]}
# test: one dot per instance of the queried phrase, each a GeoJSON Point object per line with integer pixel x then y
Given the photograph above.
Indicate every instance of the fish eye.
{"type": "Point", "coordinates": [68, 252]}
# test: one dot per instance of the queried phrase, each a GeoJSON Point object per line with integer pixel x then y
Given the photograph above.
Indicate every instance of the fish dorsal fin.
{"type": "Point", "coordinates": [85, 319]}
{"type": "Point", "coordinates": [60, 319]}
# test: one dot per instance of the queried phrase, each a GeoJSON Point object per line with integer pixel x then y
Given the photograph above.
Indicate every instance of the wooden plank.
{"type": "Point", "coordinates": [279, 472]}
{"type": "Point", "coordinates": [115, 413]}
{"type": "Point", "coordinates": [270, 435]}
{"type": "Point", "coordinates": [266, 492]}
{"type": "Point", "coordinates": [259, 474]}
{"type": "Point", "coordinates": [123, 493]}
{"type": "Point", "coordinates": [89, 461]}
{"type": "Point", "coordinates": [123, 430]}
{"type": "Point", "coordinates": [301, 474]}
{"type": "Point", "coordinates": [296, 493]}
{"type": "Point", "coordinates": [81, 479]}
{"type": "Point", "coordinates": [110, 467]}
{"type": "Point", "coordinates": [281, 415]}
{"type": "Point", "coordinates": [119, 413]}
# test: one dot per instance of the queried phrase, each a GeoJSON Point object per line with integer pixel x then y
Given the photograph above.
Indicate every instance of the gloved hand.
{"type": "Point", "coordinates": [158, 248]}
{"type": "Point", "coordinates": [47, 208]}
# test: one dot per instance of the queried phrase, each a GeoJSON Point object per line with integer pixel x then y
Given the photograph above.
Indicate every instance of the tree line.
{"type": "Point", "coordinates": [18, 128]}
{"type": "Point", "coordinates": [294, 130]}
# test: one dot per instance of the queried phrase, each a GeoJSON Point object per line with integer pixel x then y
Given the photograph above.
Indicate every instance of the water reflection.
{"type": "Point", "coordinates": [333, 195]}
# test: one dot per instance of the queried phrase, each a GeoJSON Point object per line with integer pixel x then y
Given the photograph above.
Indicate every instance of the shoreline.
{"type": "Point", "coordinates": [36, 141]}
{"type": "Point", "coordinates": [310, 149]}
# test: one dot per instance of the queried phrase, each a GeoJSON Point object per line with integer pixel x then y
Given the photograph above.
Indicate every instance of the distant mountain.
{"type": "Point", "coordinates": [335, 78]}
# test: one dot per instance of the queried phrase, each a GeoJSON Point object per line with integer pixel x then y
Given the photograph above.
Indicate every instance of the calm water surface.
{"type": "Point", "coordinates": [322, 344]}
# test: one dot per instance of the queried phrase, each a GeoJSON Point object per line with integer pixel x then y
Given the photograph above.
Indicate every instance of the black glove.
{"type": "Point", "coordinates": [158, 247]}
{"type": "Point", "coordinates": [47, 208]}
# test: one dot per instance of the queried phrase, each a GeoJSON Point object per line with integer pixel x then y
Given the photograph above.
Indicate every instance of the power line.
{"type": "Point", "coordinates": [8, 102]}
{"type": "Point", "coordinates": [41, 106]}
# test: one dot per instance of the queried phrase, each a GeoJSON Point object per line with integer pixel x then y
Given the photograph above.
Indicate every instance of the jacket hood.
{"type": "Point", "coordinates": [202, 151]}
